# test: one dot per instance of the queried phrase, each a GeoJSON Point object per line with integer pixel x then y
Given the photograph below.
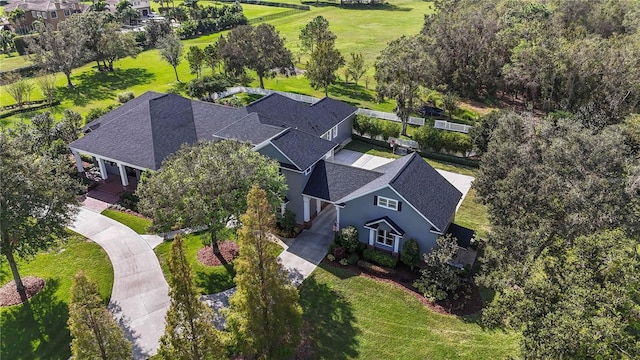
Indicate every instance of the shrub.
{"type": "Point", "coordinates": [410, 254]}
{"type": "Point", "coordinates": [375, 269]}
{"type": "Point", "coordinates": [352, 259]}
{"type": "Point", "coordinates": [123, 97]}
{"type": "Point", "coordinates": [286, 223]}
{"type": "Point", "coordinates": [440, 280]}
{"type": "Point", "coordinates": [97, 112]}
{"type": "Point", "coordinates": [344, 262]}
{"type": "Point", "coordinates": [129, 201]}
{"type": "Point", "coordinates": [390, 129]}
{"type": "Point", "coordinates": [331, 257]}
{"type": "Point", "coordinates": [349, 239]}
{"type": "Point", "coordinates": [380, 258]}
{"type": "Point", "coordinates": [339, 252]}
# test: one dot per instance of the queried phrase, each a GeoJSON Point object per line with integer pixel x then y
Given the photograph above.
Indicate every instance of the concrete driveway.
{"type": "Point", "coordinates": [139, 299]}
{"type": "Point", "coordinates": [369, 162]}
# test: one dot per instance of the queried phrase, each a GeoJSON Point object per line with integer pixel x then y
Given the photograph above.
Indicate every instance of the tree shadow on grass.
{"type": "Point", "coordinates": [91, 86]}
{"type": "Point", "coordinates": [129, 333]}
{"type": "Point", "coordinates": [351, 91]}
{"type": "Point", "coordinates": [37, 330]}
{"type": "Point", "coordinates": [329, 331]}
{"type": "Point", "coordinates": [220, 278]}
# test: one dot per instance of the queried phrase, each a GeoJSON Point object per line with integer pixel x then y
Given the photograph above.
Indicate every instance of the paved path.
{"type": "Point", "coordinates": [139, 299]}
{"type": "Point", "coordinates": [300, 258]}
{"type": "Point", "coordinates": [366, 161]}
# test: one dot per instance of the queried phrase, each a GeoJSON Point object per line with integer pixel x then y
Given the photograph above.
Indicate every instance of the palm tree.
{"type": "Point", "coordinates": [125, 10]}
{"type": "Point", "coordinates": [99, 5]}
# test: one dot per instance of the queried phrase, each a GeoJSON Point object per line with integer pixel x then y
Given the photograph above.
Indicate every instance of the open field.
{"type": "Point", "coordinates": [351, 317]}
{"type": "Point", "coordinates": [43, 333]}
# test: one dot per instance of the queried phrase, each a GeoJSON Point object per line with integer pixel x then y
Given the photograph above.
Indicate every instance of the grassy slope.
{"type": "Point", "coordinates": [356, 317]}
{"type": "Point", "coordinates": [136, 223]}
{"type": "Point", "coordinates": [45, 334]}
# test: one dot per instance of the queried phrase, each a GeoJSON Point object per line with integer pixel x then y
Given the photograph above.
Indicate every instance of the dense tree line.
{"type": "Point", "coordinates": [554, 55]}
{"type": "Point", "coordinates": [196, 19]}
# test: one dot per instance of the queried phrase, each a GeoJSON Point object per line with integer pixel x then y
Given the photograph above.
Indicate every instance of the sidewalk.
{"type": "Point", "coordinates": [139, 299]}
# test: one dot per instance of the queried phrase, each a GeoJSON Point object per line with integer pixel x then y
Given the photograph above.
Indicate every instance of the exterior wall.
{"type": "Point", "coordinates": [272, 153]}
{"type": "Point", "coordinates": [26, 24]}
{"type": "Point", "coordinates": [345, 129]}
{"type": "Point", "coordinates": [359, 211]}
{"type": "Point", "coordinates": [296, 182]}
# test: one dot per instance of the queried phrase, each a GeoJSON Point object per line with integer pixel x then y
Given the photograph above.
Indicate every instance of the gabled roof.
{"type": "Point", "coordinates": [145, 130]}
{"type": "Point", "coordinates": [373, 224]}
{"type": "Point", "coordinates": [332, 181]}
{"type": "Point", "coordinates": [301, 148]}
{"type": "Point", "coordinates": [42, 5]}
{"type": "Point", "coordinates": [314, 119]}
{"type": "Point", "coordinates": [420, 185]}
{"type": "Point", "coordinates": [251, 128]}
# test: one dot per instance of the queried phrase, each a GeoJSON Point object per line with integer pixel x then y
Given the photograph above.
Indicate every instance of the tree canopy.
{"type": "Point", "coordinates": [206, 185]}
{"type": "Point", "coordinates": [321, 69]}
{"type": "Point", "coordinates": [264, 316]}
{"type": "Point", "coordinates": [171, 51]}
{"type": "Point", "coordinates": [316, 32]}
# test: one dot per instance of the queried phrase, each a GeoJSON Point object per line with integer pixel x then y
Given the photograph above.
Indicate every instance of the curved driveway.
{"type": "Point", "coordinates": [139, 299]}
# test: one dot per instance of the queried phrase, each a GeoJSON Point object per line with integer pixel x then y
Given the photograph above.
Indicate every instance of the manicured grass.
{"type": "Point", "coordinates": [355, 317]}
{"type": "Point", "coordinates": [13, 62]}
{"type": "Point", "coordinates": [42, 333]}
{"type": "Point", "coordinates": [136, 223]}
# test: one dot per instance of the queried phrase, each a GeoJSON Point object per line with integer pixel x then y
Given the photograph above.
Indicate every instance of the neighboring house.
{"type": "Point", "coordinates": [49, 12]}
{"type": "Point", "coordinates": [401, 200]}
{"type": "Point", "coordinates": [143, 8]}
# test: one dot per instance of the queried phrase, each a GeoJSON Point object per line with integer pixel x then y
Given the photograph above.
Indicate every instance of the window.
{"type": "Point", "coordinates": [335, 131]}
{"type": "Point", "coordinates": [67, 12]}
{"type": "Point", "coordinates": [34, 14]}
{"type": "Point", "coordinates": [387, 203]}
{"type": "Point", "coordinates": [384, 237]}
{"type": "Point", "coordinates": [44, 15]}
{"type": "Point", "coordinates": [306, 172]}
{"type": "Point", "coordinates": [54, 15]}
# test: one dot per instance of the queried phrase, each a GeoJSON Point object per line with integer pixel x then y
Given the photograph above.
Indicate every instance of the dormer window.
{"type": "Point", "coordinates": [386, 203]}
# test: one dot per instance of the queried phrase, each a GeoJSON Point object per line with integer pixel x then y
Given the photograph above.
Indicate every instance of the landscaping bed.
{"type": "Point", "coordinates": [9, 293]}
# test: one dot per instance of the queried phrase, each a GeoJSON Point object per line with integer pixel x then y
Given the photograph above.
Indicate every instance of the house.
{"type": "Point", "coordinates": [389, 205]}
{"type": "Point", "coordinates": [143, 8]}
{"type": "Point", "coordinates": [49, 12]}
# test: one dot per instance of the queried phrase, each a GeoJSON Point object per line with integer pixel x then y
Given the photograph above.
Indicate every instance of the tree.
{"type": "Point", "coordinates": [410, 254]}
{"type": "Point", "coordinates": [190, 332]}
{"type": "Point", "coordinates": [206, 184]}
{"type": "Point", "coordinates": [195, 57]}
{"type": "Point", "coordinates": [16, 16]}
{"type": "Point", "coordinates": [99, 6]}
{"type": "Point", "coordinates": [356, 67]}
{"type": "Point", "coordinates": [171, 51]}
{"type": "Point", "coordinates": [6, 41]}
{"type": "Point", "coordinates": [94, 26]}
{"type": "Point", "coordinates": [260, 49]}
{"type": "Point", "coordinates": [125, 10]}
{"type": "Point", "coordinates": [69, 128]}
{"type": "Point", "coordinates": [450, 102]}
{"type": "Point", "coordinates": [20, 90]}
{"type": "Point", "coordinates": [94, 332]}
{"type": "Point", "coordinates": [47, 84]}
{"type": "Point", "coordinates": [207, 85]}
{"type": "Point", "coordinates": [264, 316]}
{"type": "Point", "coordinates": [321, 70]}
{"type": "Point", "coordinates": [212, 56]}
{"type": "Point", "coordinates": [401, 68]}
{"type": "Point", "coordinates": [115, 44]}
{"type": "Point", "coordinates": [440, 280]}
{"type": "Point", "coordinates": [316, 32]}
{"type": "Point", "coordinates": [58, 51]}
{"type": "Point", "coordinates": [36, 203]}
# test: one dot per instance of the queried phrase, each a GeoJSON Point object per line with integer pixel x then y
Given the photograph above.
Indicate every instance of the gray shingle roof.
{"type": "Point", "coordinates": [331, 181]}
{"type": "Point", "coordinates": [316, 119]}
{"type": "Point", "coordinates": [420, 184]}
{"type": "Point", "coordinates": [251, 128]}
{"type": "Point", "coordinates": [144, 131]}
{"type": "Point", "coordinates": [301, 148]}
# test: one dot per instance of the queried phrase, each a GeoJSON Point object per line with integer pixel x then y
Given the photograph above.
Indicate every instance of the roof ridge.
{"type": "Point", "coordinates": [403, 168]}
{"type": "Point", "coordinates": [262, 98]}
{"type": "Point", "coordinates": [355, 167]}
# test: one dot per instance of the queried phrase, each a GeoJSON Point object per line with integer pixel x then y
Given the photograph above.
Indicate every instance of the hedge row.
{"type": "Point", "coordinates": [24, 72]}
{"type": "Point", "coordinates": [270, 3]}
{"type": "Point", "coordinates": [20, 43]}
{"type": "Point", "coordinates": [38, 105]}
{"type": "Point", "coordinates": [425, 153]}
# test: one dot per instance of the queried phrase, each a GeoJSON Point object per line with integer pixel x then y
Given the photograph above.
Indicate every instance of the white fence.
{"type": "Point", "coordinates": [439, 124]}
{"type": "Point", "coordinates": [265, 92]}
{"type": "Point", "coordinates": [390, 116]}
{"type": "Point", "coordinates": [445, 125]}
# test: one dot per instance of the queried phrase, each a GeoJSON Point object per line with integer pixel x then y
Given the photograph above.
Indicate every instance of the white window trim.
{"type": "Point", "coordinates": [334, 131]}
{"type": "Point", "coordinates": [386, 236]}
{"type": "Point", "coordinates": [307, 171]}
{"type": "Point", "coordinates": [390, 204]}
{"type": "Point", "coordinates": [67, 12]}
{"type": "Point", "coordinates": [54, 15]}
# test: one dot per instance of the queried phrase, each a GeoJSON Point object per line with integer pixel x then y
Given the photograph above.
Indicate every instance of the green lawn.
{"type": "Point", "coordinates": [350, 316]}
{"type": "Point", "coordinates": [43, 333]}
{"type": "Point", "coordinates": [136, 223]}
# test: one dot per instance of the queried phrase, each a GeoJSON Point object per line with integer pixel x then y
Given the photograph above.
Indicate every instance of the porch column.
{"type": "Point", "coordinates": [123, 175]}
{"type": "Point", "coordinates": [76, 155]}
{"type": "Point", "coordinates": [338, 217]}
{"type": "Point", "coordinates": [396, 243]}
{"type": "Point", "coordinates": [372, 236]}
{"type": "Point", "coordinates": [103, 169]}
{"type": "Point", "coordinates": [318, 206]}
{"type": "Point", "coordinates": [307, 210]}
{"type": "Point", "coordinates": [283, 208]}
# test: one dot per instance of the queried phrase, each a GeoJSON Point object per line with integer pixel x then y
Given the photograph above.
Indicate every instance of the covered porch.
{"type": "Point", "coordinates": [117, 176]}
{"type": "Point", "coordinates": [322, 207]}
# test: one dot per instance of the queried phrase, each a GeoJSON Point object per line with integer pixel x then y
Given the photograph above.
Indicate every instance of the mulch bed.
{"type": "Point", "coordinates": [9, 295]}
{"type": "Point", "coordinates": [228, 251]}
{"type": "Point", "coordinates": [403, 279]}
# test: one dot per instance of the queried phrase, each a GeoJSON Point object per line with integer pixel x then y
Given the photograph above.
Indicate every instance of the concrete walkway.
{"type": "Point", "coordinates": [300, 258]}
{"type": "Point", "coordinates": [139, 299]}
